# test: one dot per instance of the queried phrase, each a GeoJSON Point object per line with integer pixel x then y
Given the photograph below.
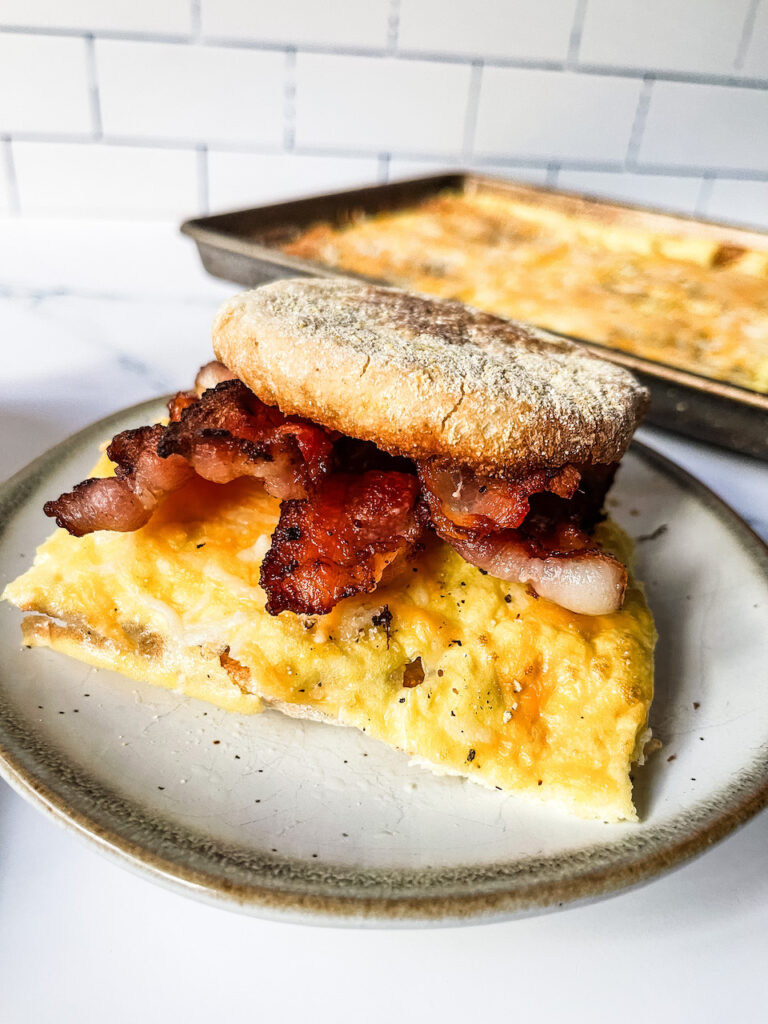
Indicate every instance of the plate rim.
{"type": "Point", "coordinates": [314, 906]}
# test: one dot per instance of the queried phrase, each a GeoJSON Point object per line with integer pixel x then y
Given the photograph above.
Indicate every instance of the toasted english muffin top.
{"type": "Point", "coordinates": [426, 377]}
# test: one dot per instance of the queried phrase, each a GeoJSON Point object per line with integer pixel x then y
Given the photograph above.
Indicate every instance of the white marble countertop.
{"type": "Point", "coordinates": [95, 317]}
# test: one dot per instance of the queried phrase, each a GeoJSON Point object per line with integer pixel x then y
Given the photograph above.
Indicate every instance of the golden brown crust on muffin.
{"type": "Point", "coordinates": [427, 377]}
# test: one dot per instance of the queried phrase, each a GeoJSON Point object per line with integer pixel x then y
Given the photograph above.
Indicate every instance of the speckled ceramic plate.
{"type": "Point", "coordinates": [300, 820]}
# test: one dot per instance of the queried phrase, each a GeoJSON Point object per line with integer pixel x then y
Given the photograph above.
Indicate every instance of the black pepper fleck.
{"type": "Point", "coordinates": [471, 754]}
{"type": "Point", "coordinates": [384, 618]}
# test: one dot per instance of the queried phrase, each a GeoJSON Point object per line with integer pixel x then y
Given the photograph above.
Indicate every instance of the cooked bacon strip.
{"type": "Point", "coordinates": [565, 567]}
{"type": "Point", "coordinates": [339, 542]}
{"type": "Point", "coordinates": [226, 434]}
{"type": "Point", "coordinates": [230, 433]}
{"type": "Point", "coordinates": [340, 532]}
{"type": "Point", "coordinates": [126, 501]}
{"type": "Point", "coordinates": [458, 497]}
{"type": "Point", "coordinates": [210, 375]}
{"type": "Point", "coordinates": [179, 403]}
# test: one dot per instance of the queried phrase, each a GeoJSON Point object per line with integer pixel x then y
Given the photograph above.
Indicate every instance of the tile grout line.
{"type": "Point", "coordinates": [393, 26]}
{"type": "Point", "coordinates": [553, 173]}
{"type": "Point", "coordinates": [638, 125]}
{"type": "Point", "coordinates": [196, 20]}
{"type": "Point", "coordinates": [289, 101]}
{"type": "Point", "coordinates": [473, 107]}
{"type": "Point", "coordinates": [267, 46]}
{"type": "Point", "coordinates": [577, 30]}
{"type": "Point", "coordinates": [451, 158]}
{"type": "Point", "coordinates": [746, 35]}
{"type": "Point", "coordinates": [94, 98]}
{"type": "Point", "coordinates": [14, 203]}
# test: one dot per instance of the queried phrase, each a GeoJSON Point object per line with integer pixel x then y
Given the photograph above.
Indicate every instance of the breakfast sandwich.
{"type": "Point", "coordinates": [383, 511]}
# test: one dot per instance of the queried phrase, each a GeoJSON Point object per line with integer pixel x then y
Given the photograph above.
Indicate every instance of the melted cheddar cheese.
{"type": "Point", "coordinates": [681, 300]}
{"type": "Point", "coordinates": [516, 693]}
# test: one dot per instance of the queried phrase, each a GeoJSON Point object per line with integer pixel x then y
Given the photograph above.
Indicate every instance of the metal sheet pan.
{"type": "Point", "coordinates": [244, 246]}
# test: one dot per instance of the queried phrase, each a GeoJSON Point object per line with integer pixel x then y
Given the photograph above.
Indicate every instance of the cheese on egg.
{"type": "Point", "coordinates": [466, 673]}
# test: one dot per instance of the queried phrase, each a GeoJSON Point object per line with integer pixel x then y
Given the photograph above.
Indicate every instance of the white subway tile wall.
{"type": "Point", "coordinates": [164, 17]}
{"type": "Point", "coordinates": [400, 168]}
{"type": "Point", "coordinates": [555, 115]}
{"type": "Point", "coordinates": [739, 201]}
{"type": "Point", "coordinates": [102, 180]}
{"type": "Point", "coordinates": [247, 179]}
{"type": "Point", "coordinates": [707, 126]}
{"type": "Point", "coordinates": [190, 93]}
{"type": "Point", "coordinates": [755, 63]}
{"type": "Point", "coordinates": [300, 22]}
{"type": "Point", "coordinates": [44, 85]}
{"type": "Point", "coordinates": [663, 191]}
{"type": "Point", "coordinates": [531, 175]}
{"type": "Point", "coordinates": [700, 36]}
{"type": "Point", "coordinates": [158, 109]}
{"type": "Point", "coordinates": [375, 104]}
{"type": "Point", "coordinates": [485, 29]}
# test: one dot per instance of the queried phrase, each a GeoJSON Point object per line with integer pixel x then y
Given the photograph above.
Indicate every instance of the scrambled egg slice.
{"type": "Point", "coordinates": [507, 689]}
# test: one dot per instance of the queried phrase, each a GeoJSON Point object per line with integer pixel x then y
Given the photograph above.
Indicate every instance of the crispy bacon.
{"type": "Point", "coordinates": [351, 512]}
{"type": "Point", "coordinates": [208, 377]}
{"type": "Point", "coordinates": [565, 566]}
{"type": "Point", "coordinates": [339, 542]}
{"type": "Point", "coordinates": [179, 403]}
{"type": "Point", "coordinates": [126, 501]}
{"type": "Point", "coordinates": [231, 433]}
{"type": "Point", "coordinates": [549, 549]}
{"type": "Point", "coordinates": [226, 434]}
{"type": "Point", "coordinates": [462, 501]}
